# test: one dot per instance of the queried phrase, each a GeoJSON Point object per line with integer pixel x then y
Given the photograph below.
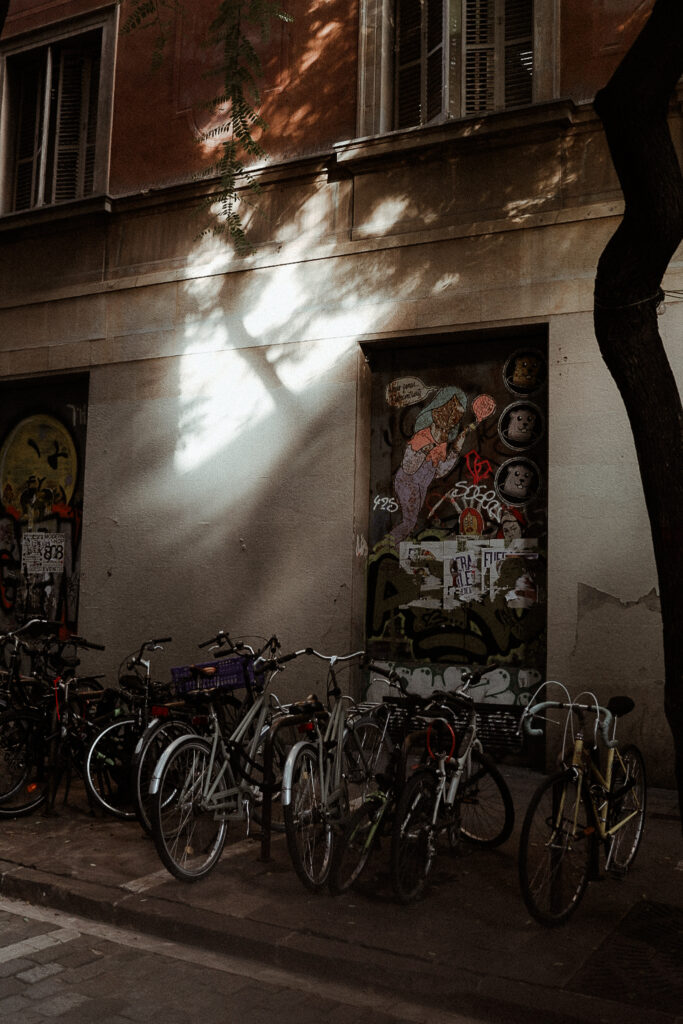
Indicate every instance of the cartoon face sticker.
{"type": "Point", "coordinates": [521, 425]}
{"type": "Point", "coordinates": [517, 481]}
{"type": "Point", "coordinates": [524, 372]}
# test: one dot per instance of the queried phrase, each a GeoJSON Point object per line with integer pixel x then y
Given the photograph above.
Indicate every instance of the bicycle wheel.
{"type": "Point", "coordinates": [627, 801]}
{"type": "Point", "coordinates": [108, 767]}
{"type": "Point", "coordinates": [150, 746]}
{"type": "Point", "coordinates": [487, 813]}
{"type": "Point", "coordinates": [23, 769]}
{"type": "Point", "coordinates": [366, 753]}
{"type": "Point", "coordinates": [309, 833]}
{"type": "Point", "coordinates": [189, 832]}
{"type": "Point", "coordinates": [555, 849]}
{"type": "Point", "coordinates": [352, 849]}
{"type": "Point", "coordinates": [412, 841]}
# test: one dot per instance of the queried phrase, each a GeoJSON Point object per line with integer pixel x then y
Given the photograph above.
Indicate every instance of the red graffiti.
{"type": "Point", "coordinates": [478, 468]}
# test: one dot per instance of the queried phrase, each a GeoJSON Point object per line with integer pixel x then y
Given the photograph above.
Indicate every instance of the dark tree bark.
{"type": "Point", "coordinates": [634, 108]}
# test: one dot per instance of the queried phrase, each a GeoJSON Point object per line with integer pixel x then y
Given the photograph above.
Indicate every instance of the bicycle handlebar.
{"type": "Point", "coordinates": [604, 724]}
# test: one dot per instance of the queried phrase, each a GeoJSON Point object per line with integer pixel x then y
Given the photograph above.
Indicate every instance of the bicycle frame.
{"type": "Point", "coordinates": [234, 804]}
{"type": "Point", "coordinates": [599, 785]}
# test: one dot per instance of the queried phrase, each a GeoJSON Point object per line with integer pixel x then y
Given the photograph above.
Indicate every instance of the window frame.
{"type": "Point", "coordinates": [376, 77]}
{"type": "Point", "coordinates": [59, 35]}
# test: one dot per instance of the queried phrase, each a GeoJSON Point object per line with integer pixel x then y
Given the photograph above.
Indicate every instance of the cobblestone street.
{"type": "Point", "coordinates": [54, 966]}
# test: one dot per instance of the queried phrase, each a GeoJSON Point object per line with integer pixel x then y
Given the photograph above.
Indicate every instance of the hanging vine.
{"type": "Point", "coordinates": [230, 35]}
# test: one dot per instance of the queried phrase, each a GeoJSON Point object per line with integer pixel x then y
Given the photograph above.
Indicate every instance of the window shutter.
{"type": "Point", "coordinates": [29, 135]}
{"type": "Point", "coordinates": [76, 92]}
{"type": "Point", "coordinates": [408, 62]}
{"type": "Point", "coordinates": [435, 23]}
{"type": "Point", "coordinates": [519, 52]}
{"type": "Point", "coordinates": [480, 54]}
{"type": "Point", "coordinates": [419, 61]}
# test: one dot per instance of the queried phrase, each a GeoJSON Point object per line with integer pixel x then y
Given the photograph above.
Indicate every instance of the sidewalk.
{"type": "Point", "coordinates": [469, 946]}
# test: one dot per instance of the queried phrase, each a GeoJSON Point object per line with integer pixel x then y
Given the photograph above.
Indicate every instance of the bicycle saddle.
{"type": "Point", "coordinates": [620, 706]}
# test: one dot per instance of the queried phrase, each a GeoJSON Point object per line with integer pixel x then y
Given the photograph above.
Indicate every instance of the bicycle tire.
{"type": "Point", "coordinates": [487, 811]}
{"type": "Point", "coordinates": [24, 778]}
{"type": "Point", "coordinates": [309, 833]}
{"type": "Point", "coordinates": [189, 836]}
{"type": "Point", "coordinates": [554, 865]}
{"type": "Point", "coordinates": [353, 847]}
{"type": "Point", "coordinates": [412, 841]}
{"type": "Point", "coordinates": [366, 753]}
{"type": "Point", "coordinates": [282, 744]}
{"type": "Point", "coordinates": [150, 746]}
{"type": "Point", "coordinates": [627, 776]}
{"type": "Point", "coordinates": [108, 767]}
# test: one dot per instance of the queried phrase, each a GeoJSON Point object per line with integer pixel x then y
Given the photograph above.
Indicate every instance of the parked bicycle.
{"type": "Point", "coordinates": [459, 794]}
{"type": "Point", "coordinates": [327, 775]}
{"type": "Point", "coordinates": [111, 778]}
{"type": "Point", "coordinates": [202, 782]}
{"type": "Point", "coordinates": [581, 808]}
{"type": "Point", "coordinates": [44, 741]}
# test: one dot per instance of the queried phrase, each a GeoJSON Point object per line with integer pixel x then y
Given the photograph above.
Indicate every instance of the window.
{"type": "Point", "coordinates": [56, 116]}
{"type": "Point", "coordinates": [425, 61]}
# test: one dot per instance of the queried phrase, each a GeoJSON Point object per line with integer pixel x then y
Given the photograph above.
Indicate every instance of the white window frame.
{"type": "Point", "coordinates": [376, 62]}
{"type": "Point", "coordinates": [106, 21]}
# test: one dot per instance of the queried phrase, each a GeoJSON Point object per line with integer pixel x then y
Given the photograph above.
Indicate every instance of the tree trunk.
{"type": "Point", "coordinates": [634, 108]}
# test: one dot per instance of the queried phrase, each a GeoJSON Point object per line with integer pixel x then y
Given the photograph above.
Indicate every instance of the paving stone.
{"type": "Point", "coordinates": [39, 973]}
{"type": "Point", "coordinates": [12, 967]}
{"type": "Point", "coordinates": [66, 1002]}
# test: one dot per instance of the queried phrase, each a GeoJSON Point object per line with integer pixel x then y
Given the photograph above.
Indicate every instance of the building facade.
{"type": "Point", "coordinates": [387, 425]}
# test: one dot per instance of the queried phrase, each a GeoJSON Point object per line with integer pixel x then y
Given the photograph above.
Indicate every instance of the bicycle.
{"type": "Point", "coordinates": [460, 793]}
{"type": "Point", "coordinates": [45, 740]}
{"type": "Point", "coordinates": [580, 808]}
{"type": "Point", "coordinates": [327, 774]}
{"type": "Point", "coordinates": [110, 774]}
{"type": "Point", "coordinates": [202, 782]}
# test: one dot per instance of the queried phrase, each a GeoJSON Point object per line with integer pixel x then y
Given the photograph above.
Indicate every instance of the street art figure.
{"type": "Point", "coordinates": [432, 451]}
{"type": "Point", "coordinates": [520, 426]}
{"type": "Point", "coordinates": [524, 372]}
{"type": "Point", "coordinates": [517, 481]}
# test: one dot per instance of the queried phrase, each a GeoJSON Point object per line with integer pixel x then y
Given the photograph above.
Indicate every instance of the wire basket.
{"type": "Point", "coordinates": [230, 674]}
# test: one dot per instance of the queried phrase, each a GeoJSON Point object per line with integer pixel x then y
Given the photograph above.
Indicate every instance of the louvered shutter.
{"type": "Point", "coordinates": [419, 61]}
{"type": "Point", "coordinates": [498, 54]}
{"type": "Point", "coordinates": [76, 91]}
{"type": "Point", "coordinates": [409, 63]}
{"type": "Point", "coordinates": [435, 62]}
{"type": "Point", "coordinates": [29, 139]}
{"type": "Point", "coordinates": [480, 53]}
{"type": "Point", "coordinates": [519, 52]}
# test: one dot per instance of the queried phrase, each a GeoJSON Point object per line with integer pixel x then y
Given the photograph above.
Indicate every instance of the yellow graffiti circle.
{"type": "Point", "coordinates": [38, 458]}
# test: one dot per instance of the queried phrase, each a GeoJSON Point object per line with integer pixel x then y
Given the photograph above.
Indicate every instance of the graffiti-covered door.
{"type": "Point", "coordinates": [458, 512]}
{"type": "Point", "coordinates": [42, 450]}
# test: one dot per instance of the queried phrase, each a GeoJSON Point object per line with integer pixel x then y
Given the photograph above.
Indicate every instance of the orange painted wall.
{"type": "Point", "coordinates": [309, 86]}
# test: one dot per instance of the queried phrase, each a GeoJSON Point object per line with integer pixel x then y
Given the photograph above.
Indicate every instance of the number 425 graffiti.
{"type": "Point", "coordinates": [385, 505]}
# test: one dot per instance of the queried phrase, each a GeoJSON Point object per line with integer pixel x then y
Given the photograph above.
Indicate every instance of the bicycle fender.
{"type": "Point", "coordinates": [286, 789]}
{"type": "Point", "coordinates": [161, 763]}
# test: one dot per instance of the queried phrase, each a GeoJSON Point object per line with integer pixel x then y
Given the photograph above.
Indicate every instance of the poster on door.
{"type": "Point", "coordinates": [42, 450]}
{"type": "Point", "coordinates": [458, 510]}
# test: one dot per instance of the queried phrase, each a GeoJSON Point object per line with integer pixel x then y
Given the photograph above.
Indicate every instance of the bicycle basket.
{"type": "Point", "coordinates": [229, 674]}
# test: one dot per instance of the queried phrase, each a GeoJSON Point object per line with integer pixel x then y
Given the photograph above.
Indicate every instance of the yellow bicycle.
{"type": "Point", "coordinates": [580, 809]}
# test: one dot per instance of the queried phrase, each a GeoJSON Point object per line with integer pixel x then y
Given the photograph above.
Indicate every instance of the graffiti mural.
{"type": "Point", "coordinates": [42, 449]}
{"type": "Point", "coordinates": [458, 512]}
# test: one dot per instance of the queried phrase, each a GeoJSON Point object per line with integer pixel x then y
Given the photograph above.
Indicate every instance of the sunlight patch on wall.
{"type": "Point", "coordinates": [221, 398]}
{"type": "Point", "coordinates": [301, 366]}
{"type": "Point", "coordinates": [386, 215]}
